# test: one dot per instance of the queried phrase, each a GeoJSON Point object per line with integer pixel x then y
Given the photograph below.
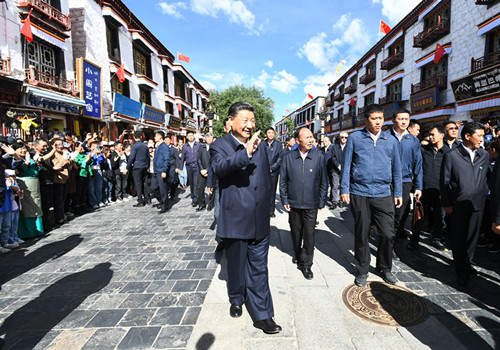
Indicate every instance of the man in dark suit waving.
{"type": "Point", "coordinates": [273, 155]}
{"type": "Point", "coordinates": [463, 194]}
{"type": "Point", "coordinates": [241, 164]}
{"type": "Point", "coordinates": [138, 163]}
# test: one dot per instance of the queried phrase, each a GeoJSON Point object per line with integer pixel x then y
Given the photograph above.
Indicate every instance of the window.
{"type": "Point", "coordinates": [340, 114]}
{"type": "Point", "coordinates": [169, 107]}
{"type": "Point", "coordinates": [341, 90]}
{"type": "Point", "coordinates": [492, 41]}
{"type": "Point", "coordinates": [190, 96]}
{"type": "Point", "coordinates": [43, 58]}
{"type": "Point", "coordinates": [142, 63]}
{"type": "Point", "coordinates": [369, 99]}
{"type": "Point", "coordinates": [395, 89]}
{"type": "Point", "coordinates": [144, 95]}
{"type": "Point", "coordinates": [432, 69]}
{"type": "Point", "coordinates": [121, 88]}
{"type": "Point", "coordinates": [371, 69]}
{"type": "Point", "coordinates": [165, 80]}
{"type": "Point", "coordinates": [396, 48]}
{"type": "Point", "coordinates": [179, 88]}
{"type": "Point", "coordinates": [354, 81]}
{"type": "Point", "coordinates": [438, 17]}
{"type": "Point", "coordinates": [112, 42]}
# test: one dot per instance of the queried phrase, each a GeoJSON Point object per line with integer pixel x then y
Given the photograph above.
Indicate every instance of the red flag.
{"type": "Point", "coordinates": [352, 102]}
{"type": "Point", "coordinates": [181, 57]}
{"type": "Point", "coordinates": [26, 29]}
{"type": "Point", "coordinates": [120, 73]}
{"type": "Point", "coordinates": [307, 122]}
{"type": "Point", "coordinates": [310, 96]}
{"type": "Point", "coordinates": [287, 110]}
{"type": "Point", "coordinates": [440, 51]}
{"type": "Point", "coordinates": [179, 107]}
{"type": "Point", "coordinates": [384, 28]}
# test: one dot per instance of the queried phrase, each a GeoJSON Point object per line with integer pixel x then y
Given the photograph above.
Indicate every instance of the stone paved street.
{"type": "Point", "coordinates": [128, 278]}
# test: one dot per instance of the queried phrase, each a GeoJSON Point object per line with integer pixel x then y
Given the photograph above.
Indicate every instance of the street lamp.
{"type": "Point", "coordinates": [210, 116]}
{"type": "Point", "coordinates": [322, 116]}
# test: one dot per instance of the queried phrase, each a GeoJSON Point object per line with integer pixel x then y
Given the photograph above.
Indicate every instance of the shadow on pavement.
{"type": "Point", "coordinates": [16, 263]}
{"type": "Point", "coordinates": [24, 328]}
{"type": "Point", "coordinates": [205, 342]}
{"type": "Point", "coordinates": [423, 331]}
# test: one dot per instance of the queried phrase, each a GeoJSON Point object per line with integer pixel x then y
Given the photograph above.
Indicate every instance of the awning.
{"type": "Point", "coordinates": [180, 70]}
{"type": "Point", "coordinates": [44, 34]}
{"type": "Point", "coordinates": [55, 96]}
{"type": "Point", "coordinates": [430, 57]}
{"type": "Point", "coordinates": [488, 25]}
{"type": "Point", "coordinates": [351, 75]}
{"type": "Point", "coordinates": [371, 58]}
{"type": "Point", "coordinates": [139, 37]}
{"type": "Point", "coordinates": [108, 11]}
{"type": "Point", "coordinates": [144, 80]}
{"type": "Point", "coordinates": [434, 113]}
{"type": "Point", "coordinates": [492, 101]}
{"type": "Point", "coordinates": [342, 83]}
{"type": "Point", "coordinates": [394, 77]}
{"type": "Point", "coordinates": [369, 91]}
{"type": "Point", "coordinates": [393, 39]}
{"type": "Point", "coordinates": [428, 9]}
{"type": "Point", "coordinates": [339, 107]}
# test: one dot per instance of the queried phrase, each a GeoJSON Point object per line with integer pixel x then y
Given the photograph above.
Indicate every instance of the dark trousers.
{"type": "Point", "coordinates": [121, 184]}
{"type": "Point", "coordinates": [433, 215]}
{"type": "Point", "coordinates": [378, 211]}
{"type": "Point", "coordinates": [335, 187]}
{"type": "Point", "coordinates": [172, 181]}
{"type": "Point", "coordinates": [274, 181]}
{"type": "Point", "coordinates": [193, 183]}
{"type": "Point", "coordinates": [330, 184]}
{"type": "Point", "coordinates": [46, 197]}
{"type": "Point", "coordinates": [159, 189]}
{"type": "Point", "coordinates": [147, 187]}
{"type": "Point", "coordinates": [139, 176]}
{"type": "Point", "coordinates": [202, 202]}
{"type": "Point", "coordinates": [247, 274]}
{"type": "Point", "coordinates": [401, 214]}
{"type": "Point", "coordinates": [82, 187]}
{"type": "Point", "coordinates": [302, 224]}
{"type": "Point", "coordinates": [465, 225]}
{"type": "Point", "coordinates": [59, 199]}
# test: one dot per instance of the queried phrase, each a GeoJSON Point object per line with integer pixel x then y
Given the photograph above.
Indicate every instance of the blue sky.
{"type": "Point", "coordinates": [287, 48]}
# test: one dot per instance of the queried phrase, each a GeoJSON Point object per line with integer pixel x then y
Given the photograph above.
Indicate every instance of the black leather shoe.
{"type": "Point", "coordinates": [139, 205]}
{"type": "Point", "coordinates": [194, 205]}
{"type": "Point", "coordinates": [200, 208]}
{"type": "Point", "coordinates": [163, 211]}
{"type": "Point", "coordinates": [235, 310]}
{"type": "Point", "coordinates": [388, 277]}
{"type": "Point", "coordinates": [209, 208]}
{"type": "Point", "coordinates": [341, 204]}
{"type": "Point", "coordinates": [306, 271]}
{"type": "Point", "coordinates": [395, 256]}
{"type": "Point", "coordinates": [360, 280]}
{"type": "Point", "coordinates": [273, 215]}
{"type": "Point", "coordinates": [333, 206]}
{"type": "Point", "coordinates": [268, 326]}
{"type": "Point", "coordinates": [473, 272]}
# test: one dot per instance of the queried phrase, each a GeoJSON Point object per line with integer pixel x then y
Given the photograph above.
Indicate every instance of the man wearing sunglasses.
{"type": "Point", "coordinates": [451, 136]}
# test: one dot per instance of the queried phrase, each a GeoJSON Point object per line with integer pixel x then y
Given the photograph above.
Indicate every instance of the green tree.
{"type": "Point", "coordinates": [290, 127]}
{"type": "Point", "coordinates": [222, 100]}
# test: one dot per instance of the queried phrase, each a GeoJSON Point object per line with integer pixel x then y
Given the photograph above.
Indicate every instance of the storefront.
{"type": "Point", "coordinates": [10, 96]}
{"type": "Point", "coordinates": [126, 113]}
{"type": "Point", "coordinates": [153, 119]}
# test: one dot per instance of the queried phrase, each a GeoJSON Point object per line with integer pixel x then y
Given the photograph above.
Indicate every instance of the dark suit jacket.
{"type": "Point", "coordinates": [245, 189]}
{"type": "Point", "coordinates": [273, 156]}
{"type": "Point", "coordinates": [203, 158]}
{"type": "Point", "coordinates": [336, 157]}
{"type": "Point", "coordinates": [328, 158]}
{"type": "Point", "coordinates": [495, 194]}
{"type": "Point", "coordinates": [175, 161]}
{"type": "Point", "coordinates": [161, 161]}
{"type": "Point", "coordinates": [447, 147]}
{"type": "Point", "coordinates": [139, 156]}
{"type": "Point", "coordinates": [303, 184]}
{"type": "Point", "coordinates": [463, 182]}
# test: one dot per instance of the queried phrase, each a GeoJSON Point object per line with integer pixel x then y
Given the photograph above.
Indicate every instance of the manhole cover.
{"type": "Point", "coordinates": [385, 304]}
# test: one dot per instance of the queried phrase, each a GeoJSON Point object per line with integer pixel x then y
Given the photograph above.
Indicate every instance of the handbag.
{"type": "Point", "coordinates": [418, 212]}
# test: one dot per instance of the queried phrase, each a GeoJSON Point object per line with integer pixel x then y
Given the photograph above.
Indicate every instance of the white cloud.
{"type": "Point", "coordinates": [320, 51]}
{"type": "Point", "coordinates": [235, 10]}
{"type": "Point", "coordinates": [214, 76]}
{"type": "Point", "coordinates": [317, 84]}
{"type": "Point", "coordinates": [172, 9]}
{"type": "Point", "coordinates": [284, 82]}
{"type": "Point", "coordinates": [395, 10]}
{"type": "Point", "coordinates": [293, 106]}
{"type": "Point", "coordinates": [269, 64]}
{"type": "Point", "coordinates": [208, 85]}
{"type": "Point", "coordinates": [261, 81]}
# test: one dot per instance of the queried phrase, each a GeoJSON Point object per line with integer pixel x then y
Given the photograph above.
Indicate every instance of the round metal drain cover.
{"type": "Point", "coordinates": [385, 304]}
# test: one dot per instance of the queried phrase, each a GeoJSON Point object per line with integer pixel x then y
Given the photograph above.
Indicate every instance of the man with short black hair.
{"type": "Point", "coordinates": [161, 165]}
{"type": "Point", "coordinates": [241, 164]}
{"type": "Point", "coordinates": [337, 150]}
{"type": "Point", "coordinates": [414, 127]}
{"type": "Point", "coordinates": [204, 166]}
{"type": "Point", "coordinates": [189, 156]}
{"type": "Point", "coordinates": [138, 162]}
{"type": "Point", "coordinates": [451, 135]}
{"type": "Point", "coordinates": [273, 154]}
{"type": "Point", "coordinates": [370, 166]}
{"type": "Point", "coordinates": [463, 193]}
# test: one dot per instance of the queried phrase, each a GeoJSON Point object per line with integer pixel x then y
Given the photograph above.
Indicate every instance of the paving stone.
{"type": "Point", "coordinates": [137, 317]}
{"type": "Point", "coordinates": [185, 286]}
{"type": "Point", "coordinates": [173, 337]}
{"type": "Point", "coordinates": [106, 318]}
{"type": "Point", "coordinates": [139, 338]}
{"type": "Point", "coordinates": [191, 316]}
{"type": "Point", "coordinates": [168, 316]}
{"type": "Point", "coordinates": [105, 338]}
{"type": "Point", "coordinates": [180, 274]}
{"type": "Point", "coordinates": [135, 287]}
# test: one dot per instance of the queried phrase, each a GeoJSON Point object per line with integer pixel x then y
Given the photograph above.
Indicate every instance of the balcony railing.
{"type": "Point", "coordinates": [435, 81]}
{"type": "Point", "coordinates": [348, 115]}
{"type": "Point", "coordinates": [35, 77]}
{"type": "Point", "coordinates": [392, 61]}
{"type": "Point", "coordinates": [431, 34]}
{"type": "Point", "coordinates": [361, 111]}
{"type": "Point", "coordinates": [367, 78]}
{"type": "Point", "coordinates": [360, 120]}
{"type": "Point", "coordinates": [350, 89]}
{"type": "Point", "coordinates": [338, 97]}
{"type": "Point", "coordinates": [485, 61]}
{"type": "Point", "coordinates": [329, 100]}
{"type": "Point", "coordinates": [4, 66]}
{"type": "Point", "coordinates": [390, 98]}
{"type": "Point", "coordinates": [51, 12]}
